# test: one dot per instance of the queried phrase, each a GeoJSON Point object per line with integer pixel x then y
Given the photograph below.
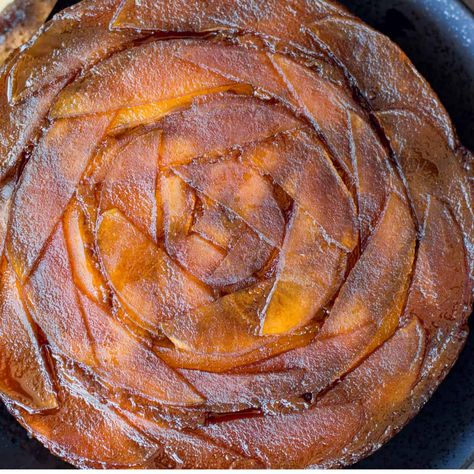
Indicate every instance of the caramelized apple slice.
{"type": "Point", "coordinates": [310, 272]}
{"type": "Point", "coordinates": [416, 156]}
{"type": "Point", "coordinates": [321, 434]}
{"type": "Point", "coordinates": [218, 225]}
{"type": "Point", "coordinates": [283, 21]}
{"type": "Point", "coordinates": [47, 184]}
{"type": "Point", "coordinates": [196, 255]}
{"type": "Point", "coordinates": [225, 326]}
{"type": "Point", "coordinates": [209, 126]}
{"type": "Point", "coordinates": [131, 183]}
{"type": "Point", "coordinates": [429, 165]}
{"type": "Point", "coordinates": [150, 113]}
{"type": "Point", "coordinates": [371, 169]}
{"type": "Point", "coordinates": [241, 190]}
{"type": "Point", "coordinates": [365, 313]}
{"type": "Point", "coordinates": [24, 377]}
{"type": "Point", "coordinates": [99, 167]}
{"type": "Point", "coordinates": [324, 102]}
{"type": "Point", "coordinates": [385, 380]}
{"type": "Point", "coordinates": [389, 84]}
{"type": "Point", "coordinates": [222, 362]}
{"type": "Point", "coordinates": [6, 197]}
{"type": "Point", "coordinates": [53, 302]}
{"type": "Point", "coordinates": [234, 392]}
{"type": "Point", "coordinates": [79, 241]}
{"type": "Point", "coordinates": [236, 63]}
{"type": "Point", "coordinates": [151, 286]}
{"type": "Point", "coordinates": [382, 385]}
{"type": "Point", "coordinates": [322, 361]}
{"type": "Point", "coordinates": [375, 290]}
{"type": "Point", "coordinates": [20, 123]}
{"type": "Point", "coordinates": [80, 421]}
{"type": "Point", "coordinates": [439, 292]}
{"type": "Point", "coordinates": [188, 450]}
{"type": "Point", "coordinates": [246, 257]}
{"type": "Point", "coordinates": [77, 38]}
{"type": "Point", "coordinates": [157, 76]}
{"type": "Point", "coordinates": [300, 165]}
{"type": "Point", "coordinates": [178, 201]}
{"type": "Point", "coordinates": [126, 363]}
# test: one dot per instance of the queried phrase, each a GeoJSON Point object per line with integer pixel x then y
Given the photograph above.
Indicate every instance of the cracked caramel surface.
{"type": "Point", "coordinates": [234, 234]}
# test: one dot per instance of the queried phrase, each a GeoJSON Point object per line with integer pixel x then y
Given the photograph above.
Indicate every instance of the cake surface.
{"type": "Point", "coordinates": [19, 20]}
{"type": "Point", "coordinates": [233, 234]}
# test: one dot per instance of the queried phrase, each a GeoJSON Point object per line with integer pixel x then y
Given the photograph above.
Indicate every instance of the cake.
{"type": "Point", "coordinates": [19, 19]}
{"type": "Point", "coordinates": [234, 234]}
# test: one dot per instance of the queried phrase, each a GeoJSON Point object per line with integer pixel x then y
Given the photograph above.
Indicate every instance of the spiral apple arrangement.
{"type": "Point", "coordinates": [235, 234]}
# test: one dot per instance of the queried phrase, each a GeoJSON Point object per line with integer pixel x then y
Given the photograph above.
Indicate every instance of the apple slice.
{"type": "Point", "coordinates": [150, 113]}
{"type": "Point", "coordinates": [382, 385]}
{"type": "Point", "coordinates": [81, 420]}
{"type": "Point", "coordinates": [282, 21]}
{"type": "Point", "coordinates": [225, 326]}
{"type": "Point", "coordinates": [321, 434]}
{"type": "Point", "coordinates": [322, 361]}
{"type": "Point", "coordinates": [20, 122]}
{"type": "Point", "coordinates": [311, 271]}
{"type": "Point", "coordinates": [88, 191]}
{"type": "Point", "coordinates": [24, 377]}
{"type": "Point", "coordinates": [53, 302]}
{"type": "Point", "coordinates": [218, 225]}
{"type": "Point", "coordinates": [429, 165]}
{"type": "Point", "coordinates": [208, 127]}
{"type": "Point", "coordinates": [384, 381]}
{"type": "Point", "coordinates": [79, 240]}
{"type": "Point", "coordinates": [47, 184]}
{"type": "Point", "coordinates": [6, 198]}
{"type": "Point", "coordinates": [439, 293]}
{"type": "Point", "coordinates": [197, 255]}
{"type": "Point", "coordinates": [222, 362]}
{"type": "Point", "coordinates": [184, 449]}
{"type": "Point", "coordinates": [240, 190]}
{"type": "Point", "coordinates": [391, 84]}
{"type": "Point", "coordinates": [145, 74]}
{"type": "Point", "coordinates": [375, 291]}
{"type": "Point", "coordinates": [227, 392]}
{"type": "Point", "coordinates": [130, 184]}
{"type": "Point", "coordinates": [324, 102]}
{"type": "Point", "coordinates": [371, 166]}
{"type": "Point", "coordinates": [178, 201]}
{"type": "Point", "coordinates": [246, 257]}
{"type": "Point", "coordinates": [236, 63]}
{"type": "Point", "coordinates": [150, 285]}
{"type": "Point", "coordinates": [76, 39]}
{"type": "Point", "coordinates": [300, 165]}
{"type": "Point", "coordinates": [126, 363]}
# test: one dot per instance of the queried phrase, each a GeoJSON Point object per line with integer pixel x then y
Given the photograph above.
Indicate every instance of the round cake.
{"type": "Point", "coordinates": [233, 234]}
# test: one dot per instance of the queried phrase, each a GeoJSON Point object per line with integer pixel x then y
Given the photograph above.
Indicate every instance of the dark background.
{"type": "Point", "coordinates": [438, 35]}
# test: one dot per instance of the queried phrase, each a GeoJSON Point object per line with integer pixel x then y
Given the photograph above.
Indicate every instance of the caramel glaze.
{"type": "Point", "coordinates": [233, 235]}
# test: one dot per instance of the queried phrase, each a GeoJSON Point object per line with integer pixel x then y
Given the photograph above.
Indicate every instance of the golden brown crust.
{"type": "Point", "coordinates": [19, 20]}
{"type": "Point", "coordinates": [234, 235]}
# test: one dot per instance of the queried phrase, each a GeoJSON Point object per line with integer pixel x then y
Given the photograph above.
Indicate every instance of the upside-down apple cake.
{"type": "Point", "coordinates": [235, 233]}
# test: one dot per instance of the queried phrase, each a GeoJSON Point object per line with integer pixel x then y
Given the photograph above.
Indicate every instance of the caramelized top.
{"type": "Point", "coordinates": [19, 19]}
{"type": "Point", "coordinates": [225, 227]}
